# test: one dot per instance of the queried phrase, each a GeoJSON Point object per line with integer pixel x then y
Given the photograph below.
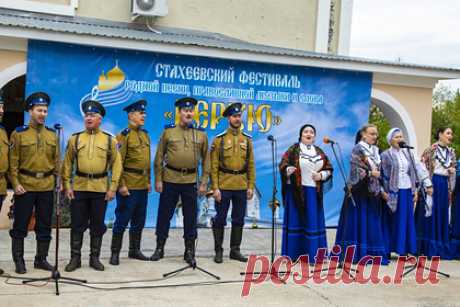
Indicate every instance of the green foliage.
{"type": "Point", "coordinates": [446, 113]}
{"type": "Point", "coordinates": [377, 118]}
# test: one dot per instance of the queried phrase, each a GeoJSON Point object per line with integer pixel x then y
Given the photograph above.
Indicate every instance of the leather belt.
{"type": "Point", "coordinates": [182, 170]}
{"type": "Point", "coordinates": [37, 175]}
{"type": "Point", "coordinates": [137, 171]}
{"type": "Point", "coordinates": [91, 176]}
{"type": "Point", "coordinates": [233, 172]}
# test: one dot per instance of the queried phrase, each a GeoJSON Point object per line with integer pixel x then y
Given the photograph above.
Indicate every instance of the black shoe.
{"type": "Point", "coordinates": [189, 253]}
{"type": "Point", "coordinates": [135, 247]}
{"type": "Point", "coordinates": [235, 242]}
{"type": "Point", "coordinates": [76, 241]}
{"type": "Point", "coordinates": [95, 252]}
{"type": "Point", "coordinates": [117, 241]}
{"type": "Point", "coordinates": [159, 250]}
{"type": "Point", "coordinates": [40, 259]}
{"type": "Point", "coordinates": [1, 272]}
{"type": "Point", "coordinates": [17, 249]}
{"type": "Point", "coordinates": [218, 233]}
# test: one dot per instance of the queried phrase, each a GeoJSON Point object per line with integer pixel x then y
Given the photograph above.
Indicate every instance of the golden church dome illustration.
{"type": "Point", "coordinates": [112, 79]}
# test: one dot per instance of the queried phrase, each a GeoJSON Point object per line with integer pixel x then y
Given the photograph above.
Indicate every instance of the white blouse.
{"type": "Point", "coordinates": [404, 181]}
{"type": "Point", "coordinates": [311, 162]}
{"type": "Point", "coordinates": [442, 161]}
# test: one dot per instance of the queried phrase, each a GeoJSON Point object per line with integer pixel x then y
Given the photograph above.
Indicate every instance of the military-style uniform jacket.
{"type": "Point", "coordinates": [91, 156]}
{"type": "Point", "coordinates": [4, 147]}
{"type": "Point", "coordinates": [134, 147]}
{"type": "Point", "coordinates": [178, 154]}
{"type": "Point", "coordinates": [34, 158]}
{"type": "Point", "coordinates": [232, 161]}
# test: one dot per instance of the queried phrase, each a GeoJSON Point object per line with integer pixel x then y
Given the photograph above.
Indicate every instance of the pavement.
{"type": "Point", "coordinates": [137, 283]}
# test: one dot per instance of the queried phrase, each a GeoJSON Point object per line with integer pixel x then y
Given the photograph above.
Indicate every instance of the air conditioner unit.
{"type": "Point", "coordinates": [149, 7]}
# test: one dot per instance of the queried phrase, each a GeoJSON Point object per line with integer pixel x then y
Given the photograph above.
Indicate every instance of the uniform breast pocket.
{"type": "Point", "coordinates": [28, 147]}
{"type": "Point", "coordinates": [176, 144]}
{"type": "Point", "coordinates": [4, 148]}
{"type": "Point", "coordinates": [228, 150]}
{"type": "Point", "coordinates": [51, 148]}
{"type": "Point", "coordinates": [134, 147]}
{"type": "Point", "coordinates": [101, 151]}
{"type": "Point", "coordinates": [243, 150]}
{"type": "Point", "coordinates": [80, 150]}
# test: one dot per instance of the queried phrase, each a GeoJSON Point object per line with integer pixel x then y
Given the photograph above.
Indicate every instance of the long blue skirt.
{"type": "Point", "coordinates": [386, 227]}
{"type": "Point", "coordinates": [402, 235]}
{"type": "Point", "coordinates": [303, 236]}
{"type": "Point", "coordinates": [361, 226]}
{"type": "Point", "coordinates": [455, 231]}
{"type": "Point", "coordinates": [433, 231]}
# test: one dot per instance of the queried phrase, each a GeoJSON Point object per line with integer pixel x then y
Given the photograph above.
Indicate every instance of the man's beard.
{"type": "Point", "coordinates": [235, 127]}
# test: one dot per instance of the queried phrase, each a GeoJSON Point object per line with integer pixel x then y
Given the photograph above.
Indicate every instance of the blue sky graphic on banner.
{"type": "Point", "coordinates": [278, 99]}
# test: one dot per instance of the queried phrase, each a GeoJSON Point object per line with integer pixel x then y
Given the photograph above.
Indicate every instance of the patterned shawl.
{"type": "Point", "coordinates": [390, 176]}
{"type": "Point", "coordinates": [429, 159]}
{"type": "Point", "coordinates": [291, 158]}
{"type": "Point", "coordinates": [360, 179]}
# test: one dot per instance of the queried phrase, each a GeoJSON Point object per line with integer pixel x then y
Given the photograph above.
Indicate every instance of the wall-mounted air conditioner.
{"type": "Point", "coordinates": [149, 7]}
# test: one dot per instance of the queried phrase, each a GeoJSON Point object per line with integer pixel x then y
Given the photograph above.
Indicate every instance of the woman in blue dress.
{"type": "Point", "coordinates": [455, 213]}
{"type": "Point", "coordinates": [360, 223]}
{"type": "Point", "coordinates": [399, 177]}
{"type": "Point", "coordinates": [433, 229]}
{"type": "Point", "coordinates": [306, 174]}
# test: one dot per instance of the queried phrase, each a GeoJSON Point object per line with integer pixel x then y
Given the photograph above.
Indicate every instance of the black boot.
{"type": "Point", "coordinates": [40, 259]}
{"type": "Point", "coordinates": [189, 253]}
{"type": "Point", "coordinates": [117, 241]}
{"type": "Point", "coordinates": [95, 252]}
{"type": "Point", "coordinates": [135, 247]}
{"type": "Point", "coordinates": [17, 249]}
{"type": "Point", "coordinates": [235, 242]}
{"type": "Point", "coordinates": [218, 233]}
{"type": "Point", "coordinates": [159, 250]}
{"type": "Point", "coordinates": [76, 241]}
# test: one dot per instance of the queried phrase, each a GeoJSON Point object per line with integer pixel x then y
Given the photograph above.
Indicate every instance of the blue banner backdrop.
{"type": "Point", "coordinates": [278, 99]}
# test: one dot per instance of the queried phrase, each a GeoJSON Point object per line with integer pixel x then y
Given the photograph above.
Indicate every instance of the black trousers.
{"type": "Point", "coordinates": [24, 206]}
{"type": "Point", "coordinates": [239, 203]}
{"type": "Point", "coordinates": [168, 201]}
{"type": "Point", "coordinates": [88, 211]}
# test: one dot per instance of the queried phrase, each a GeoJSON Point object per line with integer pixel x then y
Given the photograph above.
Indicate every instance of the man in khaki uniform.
{"type": "Point", "coordinates": [4, 146]}
{"type": "Point", "coordinates": [233, 178]}
{"type": "Point", "coordinates": [134, 147]}
{"type": "Point", "coordinates": [34, 162]}
{"type": "Point", "coordinates": [179, 152]}
{"type": "Point", "coordinates": [91, 156]}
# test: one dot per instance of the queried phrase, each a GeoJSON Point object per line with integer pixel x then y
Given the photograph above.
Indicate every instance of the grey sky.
{"type": "Point", "coordinates": [416, 31]}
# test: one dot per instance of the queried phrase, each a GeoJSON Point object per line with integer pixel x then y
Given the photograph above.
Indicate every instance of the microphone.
{"type": "Point", "coordinates": [404, 145]}
{"type": "Point", "coordinates": [57, 126]}
{"type": "Point", "coordinates": [271, 138]}
{"type": "Point", "coordinates": [327, 140]}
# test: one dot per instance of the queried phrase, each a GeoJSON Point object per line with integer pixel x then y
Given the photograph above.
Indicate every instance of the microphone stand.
{"type": "Point", "coordinates": [339, 160]}
{"type": "Point", "coordinates": [274, 205]}
{"type": "Point", "coordinates": [55, 274]}
{"type": "Point", "coordinates": [410, 268]}
{"type": "Point", "coordinates": [193, 265]}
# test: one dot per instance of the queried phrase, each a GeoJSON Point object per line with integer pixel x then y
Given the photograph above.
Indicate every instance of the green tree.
{"type": "Point", "coordinates": [377, 118]}
{"type": "Point", "coordinates": [446, 113]}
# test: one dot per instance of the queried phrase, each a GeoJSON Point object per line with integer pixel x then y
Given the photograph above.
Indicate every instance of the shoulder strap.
{"type": "Point", "coordinates": [77, 138]}
{"type": "Point", "coordinates": [109, 152]}
{"type": "Point", "coordinates": [221, 151]}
